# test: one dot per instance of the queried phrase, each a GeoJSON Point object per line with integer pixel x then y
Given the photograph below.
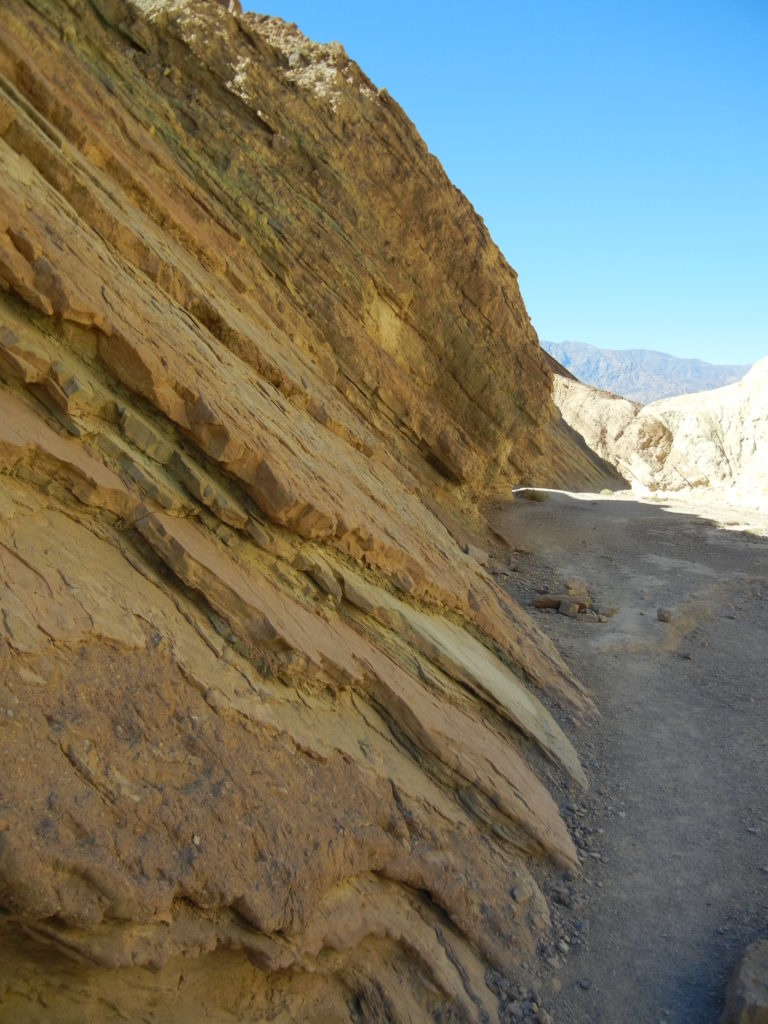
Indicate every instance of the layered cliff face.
{"type": "Point", "coordinates": [272, 744]}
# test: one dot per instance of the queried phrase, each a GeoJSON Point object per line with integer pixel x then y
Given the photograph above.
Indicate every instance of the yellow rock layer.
{"type": "Point", "coordinates": [271, 737]}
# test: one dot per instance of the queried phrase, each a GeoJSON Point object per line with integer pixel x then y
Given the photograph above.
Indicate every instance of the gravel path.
{"type": "Point", "coordinates": [674, 831]}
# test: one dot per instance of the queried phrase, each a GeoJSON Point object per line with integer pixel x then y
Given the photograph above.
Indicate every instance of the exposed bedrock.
{"type": "Point", "coordinates": [274, 743]}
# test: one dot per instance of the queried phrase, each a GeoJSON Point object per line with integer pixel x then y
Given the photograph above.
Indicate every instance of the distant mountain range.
{"type": "Point", "coordinates": [638, 373]}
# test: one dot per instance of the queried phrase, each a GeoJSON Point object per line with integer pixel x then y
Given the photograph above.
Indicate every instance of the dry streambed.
{"type": "Point", "coordinates": [672, 836]}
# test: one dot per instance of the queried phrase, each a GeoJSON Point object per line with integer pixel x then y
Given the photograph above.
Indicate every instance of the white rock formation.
{"type": "Point", "coordinates": [714, 439]}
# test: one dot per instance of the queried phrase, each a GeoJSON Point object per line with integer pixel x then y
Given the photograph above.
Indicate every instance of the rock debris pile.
{"type": "Point", "coordinates": [575, 602]}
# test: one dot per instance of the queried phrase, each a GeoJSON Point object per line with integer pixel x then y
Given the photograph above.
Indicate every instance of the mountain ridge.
{"type": "Point", "coordinates": [641, 375]}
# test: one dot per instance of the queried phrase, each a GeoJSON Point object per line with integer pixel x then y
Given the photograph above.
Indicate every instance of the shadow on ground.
{"type": "Point", "coordinates": [673, 833]}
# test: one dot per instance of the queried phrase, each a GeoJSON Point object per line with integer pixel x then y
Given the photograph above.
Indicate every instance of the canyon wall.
{"type": "Point", "coordinates": [275, 745]}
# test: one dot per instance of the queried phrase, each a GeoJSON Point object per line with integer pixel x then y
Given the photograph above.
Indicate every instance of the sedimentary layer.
{"type": "Point", "coordinates": [275, 745]}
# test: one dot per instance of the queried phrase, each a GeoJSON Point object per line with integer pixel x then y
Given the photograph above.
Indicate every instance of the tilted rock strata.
{"type": "Point", "coordinates": [268, 729]}
{"type": "Point", "coordinates": [716, 439]}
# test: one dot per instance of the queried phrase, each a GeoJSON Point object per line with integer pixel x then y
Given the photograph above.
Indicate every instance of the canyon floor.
{"type": "Point", "coordinates": [673, 831]}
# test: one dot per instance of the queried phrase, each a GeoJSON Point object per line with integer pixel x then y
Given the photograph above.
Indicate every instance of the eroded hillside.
{"type": "Point", "coordinates": [271, 738]}
{"type": "Point", "coordinates": [713, 442]}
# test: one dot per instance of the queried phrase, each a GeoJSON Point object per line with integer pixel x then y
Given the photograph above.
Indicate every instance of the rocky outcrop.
{"type": "Point", "coordinates": [640, 374]}
{"type": "Point", "coordinates": [272, 738]}
{"type": "Point", "coordinates": [714, 440]}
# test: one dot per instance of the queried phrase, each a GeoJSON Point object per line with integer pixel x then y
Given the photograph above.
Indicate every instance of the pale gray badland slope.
{"type": "Point", "coordinates": [711, 441]}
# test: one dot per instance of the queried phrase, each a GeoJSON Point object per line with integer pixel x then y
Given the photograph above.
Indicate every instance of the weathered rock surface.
{"type": "Point", "coordinates": [716, 439]}
{"type": "Point", "coordinates": [272, 746]}
{"type": "Point", "coordinates": [747, 997]}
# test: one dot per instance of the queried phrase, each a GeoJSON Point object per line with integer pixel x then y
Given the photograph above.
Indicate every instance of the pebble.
{"type": "Point", "coordinates": [585, 983]}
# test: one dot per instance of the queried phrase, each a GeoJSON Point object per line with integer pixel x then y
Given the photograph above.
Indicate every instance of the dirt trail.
{"type": "Point", "coordinates": [675, 828]}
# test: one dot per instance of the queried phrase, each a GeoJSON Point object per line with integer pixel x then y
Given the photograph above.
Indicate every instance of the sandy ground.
{"type": "Point", "coordinates": [674, 831]}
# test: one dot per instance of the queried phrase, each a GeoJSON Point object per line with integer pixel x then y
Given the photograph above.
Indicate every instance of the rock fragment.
{"type": "Point", "coordinates": [747, 995]}
{"type": "Point", "coordinates": [575, 602]}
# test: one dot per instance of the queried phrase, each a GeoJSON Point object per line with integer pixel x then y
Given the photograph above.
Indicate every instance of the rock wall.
{"type": "Point", "coordinates": [272, 744]}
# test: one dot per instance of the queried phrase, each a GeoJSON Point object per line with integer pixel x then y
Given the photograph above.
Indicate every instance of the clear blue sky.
{"type": "Point", "coordinates": [618, 152]}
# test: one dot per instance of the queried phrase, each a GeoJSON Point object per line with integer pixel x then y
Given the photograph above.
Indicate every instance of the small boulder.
{"type": "Point", "coordinates": [577, 587]}
{"type": "Point", "coordinates": [561, 601]}
{"type": "Point", "coordinates": [747, 997]}
{"type": "Point", "coordinates": [548, 600]}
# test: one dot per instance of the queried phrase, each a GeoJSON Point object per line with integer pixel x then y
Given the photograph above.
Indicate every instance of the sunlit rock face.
{"type": "Point", "coordinates": [711, 442]}
{"type": "Point", "coordinates": [272, 740]}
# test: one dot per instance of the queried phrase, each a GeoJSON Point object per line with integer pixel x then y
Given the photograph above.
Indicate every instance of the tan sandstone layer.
{"type": "Point", "coordinates": [272, 744]}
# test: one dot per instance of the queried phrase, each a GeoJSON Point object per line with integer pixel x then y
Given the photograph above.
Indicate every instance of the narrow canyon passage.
{"type": "Point", "coordinates": [673, 831]}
